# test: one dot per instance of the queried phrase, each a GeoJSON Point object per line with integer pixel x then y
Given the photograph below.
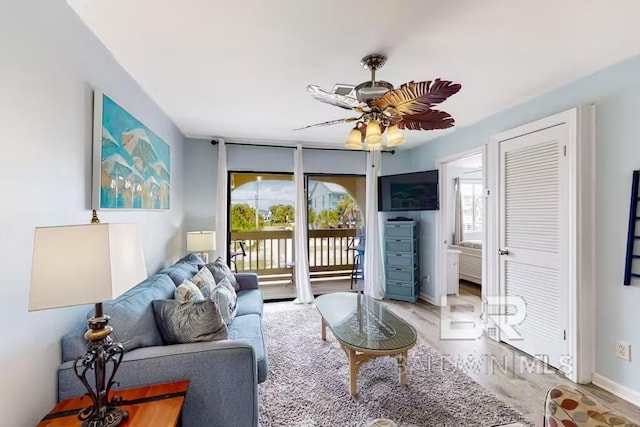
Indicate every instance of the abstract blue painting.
{"type": "Point", "coordinates": [131, 164]}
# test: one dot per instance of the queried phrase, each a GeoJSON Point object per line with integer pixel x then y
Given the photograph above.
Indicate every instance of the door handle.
{"type": "Point", "coordinates": [503, 252]}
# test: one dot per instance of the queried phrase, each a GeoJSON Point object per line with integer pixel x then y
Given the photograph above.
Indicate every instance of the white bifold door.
{"type": "Point", "coordinates": [533, 241]}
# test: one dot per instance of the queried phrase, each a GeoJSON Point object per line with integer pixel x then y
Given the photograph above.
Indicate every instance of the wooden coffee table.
{"type": "Point", "coordinates": [155, 405]}
{"type": "Point", "coordinates": [365, 329]}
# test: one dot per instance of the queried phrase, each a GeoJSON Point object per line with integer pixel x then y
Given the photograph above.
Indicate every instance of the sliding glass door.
{"type": "Point", "coordinates": [261, 221]}
{"type": "Point", "coordinates": [336, 205]}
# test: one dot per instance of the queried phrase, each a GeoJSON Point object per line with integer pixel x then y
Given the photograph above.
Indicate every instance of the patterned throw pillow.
{"type": "Point", "coordinates": [188, 292]}
{"type": "Point", "coordinates": [225, 296]}
{"type": "Point", "coordinates": [187, 322]}
{"type": "Point", "coordinates": [204, 281]}
{"type": "Point", "coordinates": [220, 270]}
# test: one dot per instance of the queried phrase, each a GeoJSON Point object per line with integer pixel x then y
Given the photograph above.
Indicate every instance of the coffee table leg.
{"type": "Point", "coordinates": [353, 373]}
{"type": "Point", "coordinates": [324, 329]}
{"type": "Point", "coordinates": [402, 367]}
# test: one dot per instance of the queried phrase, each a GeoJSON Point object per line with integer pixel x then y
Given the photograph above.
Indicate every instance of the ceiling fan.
{"type": "Point", "coordinates": [382, 108]}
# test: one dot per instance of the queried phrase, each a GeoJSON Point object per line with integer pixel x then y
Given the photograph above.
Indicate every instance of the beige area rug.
{"type": "Point", "coordinates": [308, 384]}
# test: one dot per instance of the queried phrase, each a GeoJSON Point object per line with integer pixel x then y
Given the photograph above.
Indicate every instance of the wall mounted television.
{"type": "Point", "coordinates": [416, 191]}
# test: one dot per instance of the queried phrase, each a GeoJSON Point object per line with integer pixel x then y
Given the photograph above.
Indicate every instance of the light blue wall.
{"type": "Point", "coordinates": [50, 62]}
{"type": "Point", "coordinates": [616, 93]}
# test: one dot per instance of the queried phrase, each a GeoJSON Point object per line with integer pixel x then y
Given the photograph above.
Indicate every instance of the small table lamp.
{"type": "Point", "coordinates": [201, 242]}
{"type": "Point", "coordinates": [83, 264]}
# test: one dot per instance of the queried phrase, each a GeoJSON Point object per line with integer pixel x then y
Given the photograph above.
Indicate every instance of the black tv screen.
{"type": "Point", "coordinates": [416, 191]}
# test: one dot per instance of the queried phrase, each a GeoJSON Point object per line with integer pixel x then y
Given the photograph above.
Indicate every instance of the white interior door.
{"type": "Point", "coordinates": [534, 242]}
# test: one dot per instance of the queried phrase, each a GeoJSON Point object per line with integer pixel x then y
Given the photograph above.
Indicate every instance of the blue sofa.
{"type": "Point", "coordinates": [224, 375]}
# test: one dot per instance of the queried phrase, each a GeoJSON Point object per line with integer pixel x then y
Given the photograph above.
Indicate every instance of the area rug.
{"type": "Point", "coordinates": [308, 384]}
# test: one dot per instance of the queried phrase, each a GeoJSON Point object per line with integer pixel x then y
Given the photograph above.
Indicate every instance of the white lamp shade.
{"type": "Point", "coordinates": [83, 264]}
{"type": "Point", "coordinates": [201, 241]}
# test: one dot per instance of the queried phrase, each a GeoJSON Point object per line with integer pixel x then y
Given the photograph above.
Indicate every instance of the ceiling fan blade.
{"type": "Point", "coordinates": [427, 120]}
{"type": "Point", "coordinates": [342, 101]}
{"type": "Point", "coordinates": [414, 98]}
{"type": "Point", "coordinates": [331, 122]}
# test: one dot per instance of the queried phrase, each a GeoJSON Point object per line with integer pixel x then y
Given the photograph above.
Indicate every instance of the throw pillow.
{"type": "Point", "coordinates": [180, 271]}
{"type": "Point", "coordinates": [187, 322]}
{"type": "Point", "coordinates": [225, 296]}
{"type": "Point", "coordinates": [225, 282]}
{"type": "Point", "coordinates": [192, 258]}
{"type": "Point", "coordinates": [204, 281]}
{"type": "Point", "coordinates": [188, 292]}
{"type": "Point", "coordinates": [220, 270]}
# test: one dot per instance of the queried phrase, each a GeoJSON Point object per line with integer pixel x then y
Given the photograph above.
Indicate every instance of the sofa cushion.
{"type": "Point", "coordinates": [249, 302]}
{"type": "Point", "coordinates": [220, 270]}
{"type": "Point", "coordinates": [187, 322]}
{"type": "Point", "coordinates": [194, 259]}
{"type": "Point", "coordinates": [132, 318]}
{"type": "Point", "coordinates": [188, 292]}
{"type": "Point", "coordinates": [248, 328]}
{"type": "Point", "coordinates": [180, 271]}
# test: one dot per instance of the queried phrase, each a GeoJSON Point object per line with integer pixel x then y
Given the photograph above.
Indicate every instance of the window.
{"type": "Point", "coordinates": [471, 208]}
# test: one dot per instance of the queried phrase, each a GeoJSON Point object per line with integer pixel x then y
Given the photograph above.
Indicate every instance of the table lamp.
{"type": "Point", "coordinates": [201, 242]}
{"type": "Point", "coordinates": [83, 264]}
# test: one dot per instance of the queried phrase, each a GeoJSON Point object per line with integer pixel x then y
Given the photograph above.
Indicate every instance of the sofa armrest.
{"type": "Point", "coordinates": [247, 281]}
{"type": "Point", "coordinates": [223, 387]}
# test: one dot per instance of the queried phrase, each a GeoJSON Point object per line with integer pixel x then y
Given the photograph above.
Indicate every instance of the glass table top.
{"type": "Point", "coordinates": [360, 321]}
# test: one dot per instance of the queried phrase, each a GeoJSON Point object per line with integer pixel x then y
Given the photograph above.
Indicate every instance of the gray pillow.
{"type": "Point", "coordinates": [220, 270]}
{"type": "Point", "coordinates": [187, 322]}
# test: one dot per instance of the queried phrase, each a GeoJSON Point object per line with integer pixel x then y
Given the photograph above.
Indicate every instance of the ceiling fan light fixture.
{"type": "Point", "coordinates": [355, 139]}
{"type": "Point", "coordinates": [394, 136]}
{"type": "Point", "coordinates": [373, 135]}
{"type": "Point", "coordinates": [374, 147]}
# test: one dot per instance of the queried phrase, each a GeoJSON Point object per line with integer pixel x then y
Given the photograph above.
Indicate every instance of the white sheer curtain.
{"type": "Point", "coordinates": [301, 268]}
{"type": "Point", "coordinates": [459, 219]}
{"type": "Point", "coordinates": [374, 280]}
{"type": "Point", "coordinates": [221, 202]}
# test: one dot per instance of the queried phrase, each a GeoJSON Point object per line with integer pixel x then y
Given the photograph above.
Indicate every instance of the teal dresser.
{"type": "Point", "coordinates": [401, 260]}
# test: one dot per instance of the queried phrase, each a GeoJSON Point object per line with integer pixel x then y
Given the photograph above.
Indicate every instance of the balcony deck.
{"type": "Point", "coordinates": [279, 291]}
{"type": "Point", "coordinates": [270, 254]}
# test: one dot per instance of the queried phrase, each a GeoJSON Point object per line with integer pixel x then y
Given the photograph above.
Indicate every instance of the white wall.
{"type": "Point", "coordinates": [49, 63]}
{"type": "Point", "coordinates": [616, 94]}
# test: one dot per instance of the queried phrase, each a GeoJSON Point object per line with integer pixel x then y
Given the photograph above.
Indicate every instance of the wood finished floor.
{"type": "Point", "coordinates": [523, 390]}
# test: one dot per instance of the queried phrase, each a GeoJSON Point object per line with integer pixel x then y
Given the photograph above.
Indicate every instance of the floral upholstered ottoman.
{"type": "Point", "coordinates": [568, 407]}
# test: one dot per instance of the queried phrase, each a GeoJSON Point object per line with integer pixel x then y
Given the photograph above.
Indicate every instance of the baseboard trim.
{"type": "Point", "coordinates": [427, 298]}
{"type": "Point", "coordinates": [623, 392]}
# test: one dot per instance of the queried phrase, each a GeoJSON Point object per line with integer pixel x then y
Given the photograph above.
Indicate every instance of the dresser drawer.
{"type": "Point", "coordinates": [401, 274]}
{"type": "Point", "coordinates": [400, 245]}
{"type": "Point", "coordinates": [394, 288]}
{"type": "Point", "coordinates": [399, 230]}
{"type": "Point", "coordinates": [401, 260]}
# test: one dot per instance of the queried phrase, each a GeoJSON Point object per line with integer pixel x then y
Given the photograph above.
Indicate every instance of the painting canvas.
{"type": "Point", "coordinates": [131, 163]}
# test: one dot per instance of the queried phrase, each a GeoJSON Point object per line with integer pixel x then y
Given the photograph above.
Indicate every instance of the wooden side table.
{"type": "Point", "coordinates": [154, 405]}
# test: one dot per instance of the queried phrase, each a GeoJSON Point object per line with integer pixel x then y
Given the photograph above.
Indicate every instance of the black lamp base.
{"type": "Point", "coordinates": [112, 418]}
{"type": "Point", "coordinates": [101, 352]}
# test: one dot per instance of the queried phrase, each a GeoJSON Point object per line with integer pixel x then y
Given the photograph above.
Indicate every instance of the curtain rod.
{"type": "Point", "coordinates": [248, 144]}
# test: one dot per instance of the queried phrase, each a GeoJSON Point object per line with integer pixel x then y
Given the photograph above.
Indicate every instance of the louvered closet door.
{"type": "Point", "coordinates": [534, 213]}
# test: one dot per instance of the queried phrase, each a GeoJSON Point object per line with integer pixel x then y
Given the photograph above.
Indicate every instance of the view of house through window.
{"type": "Point", "coordinates": [471, 208]}
{"type": "Point", "coordinates": [262, 220]}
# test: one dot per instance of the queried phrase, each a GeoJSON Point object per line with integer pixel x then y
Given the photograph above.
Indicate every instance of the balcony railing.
{"type": "Point", "coordinates": [270, 253]}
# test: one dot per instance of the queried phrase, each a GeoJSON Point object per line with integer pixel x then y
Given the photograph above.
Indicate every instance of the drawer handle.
{"type": "Point", "coordinates": [398, 240]}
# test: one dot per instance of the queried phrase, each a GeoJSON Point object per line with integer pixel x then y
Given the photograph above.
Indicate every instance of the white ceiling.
{"type": "Point", "coordinates": [239, 69]}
